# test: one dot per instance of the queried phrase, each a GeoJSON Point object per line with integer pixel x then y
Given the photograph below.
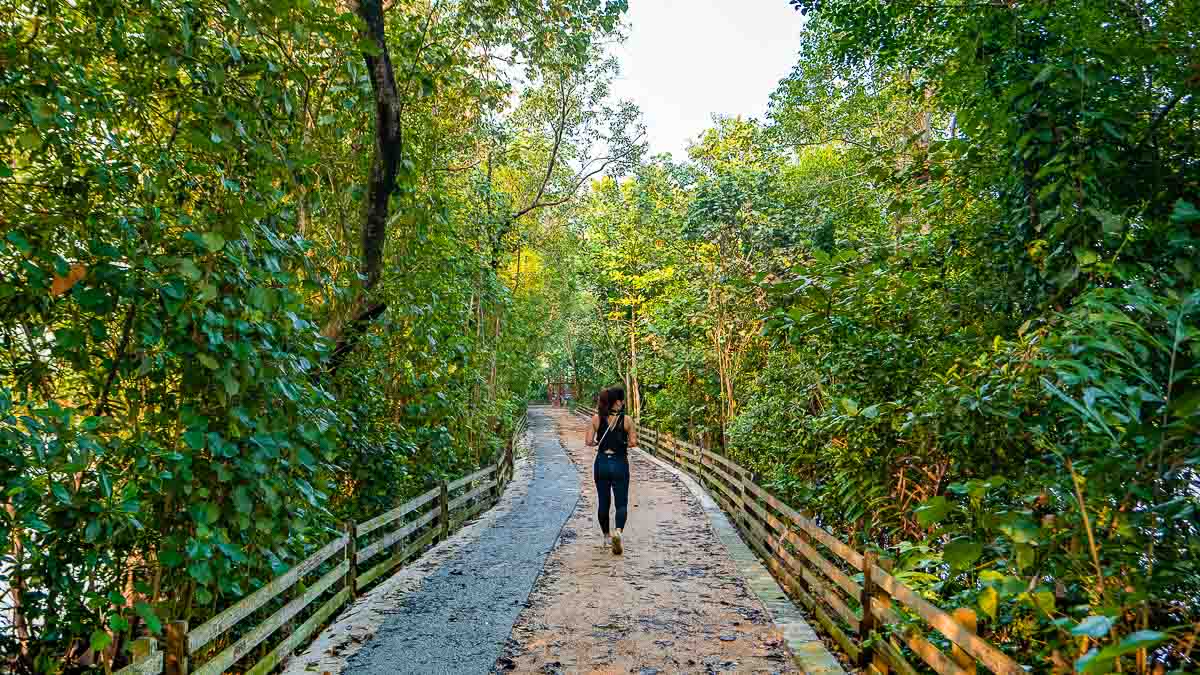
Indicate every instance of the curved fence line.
{"type": "Point", "coordinates": [880, 623]}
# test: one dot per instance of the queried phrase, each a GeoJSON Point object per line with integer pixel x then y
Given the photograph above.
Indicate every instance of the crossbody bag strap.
{"type": "Point", "coordinates": [605, 434]}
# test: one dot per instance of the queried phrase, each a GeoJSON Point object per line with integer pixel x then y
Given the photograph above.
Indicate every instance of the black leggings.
{"type": "Point", "coordinates": [612, 476]}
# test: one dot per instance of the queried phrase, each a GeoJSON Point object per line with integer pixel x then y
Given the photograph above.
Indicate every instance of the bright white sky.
{"type": "Point", "coordinates": [686, 60]}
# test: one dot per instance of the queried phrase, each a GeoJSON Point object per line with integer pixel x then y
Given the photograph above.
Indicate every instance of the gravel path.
{"type": "Point", "coordinates": [456, 620]}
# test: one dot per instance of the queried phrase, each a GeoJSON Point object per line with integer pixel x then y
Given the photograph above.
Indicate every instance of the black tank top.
{"type": "Point", "coordinates": [616, 440]}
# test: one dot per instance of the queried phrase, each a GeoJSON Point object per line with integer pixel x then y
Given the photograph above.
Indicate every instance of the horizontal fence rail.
{"type": "Point", "coordinates": [364, 553]}
{"type": "Point", "coordinates": [880, 623]}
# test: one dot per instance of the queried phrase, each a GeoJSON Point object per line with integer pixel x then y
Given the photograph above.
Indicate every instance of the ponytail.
{"type": "Point", "coordinates": [603, 405]}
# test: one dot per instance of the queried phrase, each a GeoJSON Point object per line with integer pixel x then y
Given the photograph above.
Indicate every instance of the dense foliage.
{"type": "Point", "coordinates": [198, 200]}
{"type": "Point", "coordinates": [945, 298]}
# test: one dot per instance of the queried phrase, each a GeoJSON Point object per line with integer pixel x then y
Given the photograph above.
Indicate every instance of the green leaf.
{"type": "Point", "coordinates": [1101, 660]}
{"type": "Point", "coordinates": [201, 572]}
{"type": "Point", "coordinates": [989, 600]}
{"type": "Point", "coordinates": [1096, 626]}
{"type": "Point", "coordinates": [1025, 555]}
{"type": "Point", "coordinates": [1089, 663]}
{"type": "Point", "coordinates": [101, 640]}
{"type": "Point", "coordinates": [961, 553]}
{"type": "Point", "coordinates": [30, 140]}
{"type": "Point", "coordinates": [1143, 639]}
{"type": "Point", "coordinates": [147, 613]}
{"type": "Point", "coordinates": [208, 361]}
{"type": "Point", "coordinates": [69, 338]}
{"type": "Point", "coordinates": [231, 383]}
{"type": "Point", "coordinates": [213, 241]}
{"type": "Point", "coordinates": [1086, 257]}
{"type": "Point", "coordinates": [194, 438]}
{"type": "Point", "coordinates": [60, 491]}
{"type": "Point", "coordinates": [1185, 213]}
{"type": "Point", "coordinates": [188, 269]}
{"type": "Point", "coordinates": [20, 242]}
{"type": "Point", "coordinates": [241, 500]}
{"type": "Point", "coordinates": [933, 511]}
{"type": "Point", "coordinates": [850, 406]}
{"type": "Point", "coordinates": [1045, 601]}
{"type": "Point", "coordinates": [1020, 529]}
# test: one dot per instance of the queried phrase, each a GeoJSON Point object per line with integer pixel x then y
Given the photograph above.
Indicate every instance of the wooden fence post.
{"type": "Point", "coordinates": [748, 496]}
{"type": "Point", "coordinates": [510, 465]}
{"type": "Point", "coordinates": [965, 617]}
{"type": "Point", "coordinates": [175, 660]}
{"type": "Point", "coordinates": [398, 547]}
{"type": "Point", "coordinates": [883, 601]}
{"type": "Point", "coordinates": [352, 558]}
{"type": "Point", "coordinates": [867, 623]}
{"type": "Point", "coordinates": [444, 508]}
{"type": "Point", "coordinates": [142, 648]}
{"type": "Point", "coordinates": [804, 537]}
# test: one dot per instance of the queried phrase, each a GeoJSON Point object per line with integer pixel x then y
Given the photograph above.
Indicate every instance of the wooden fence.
{"type": "Point", "coordinates": [880, 623]}
{"type": "Point", "coordinates": [364, 553]}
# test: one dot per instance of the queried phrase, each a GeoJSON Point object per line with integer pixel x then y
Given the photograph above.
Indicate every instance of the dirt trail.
{"type": "Point", "coordinates": [673, 603]}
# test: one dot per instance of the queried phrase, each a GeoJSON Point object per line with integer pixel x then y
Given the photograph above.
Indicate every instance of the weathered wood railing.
{"type": "Point", "coordinates": [819, 570]}
{"type": "Point", "coordinates": [364, 553]}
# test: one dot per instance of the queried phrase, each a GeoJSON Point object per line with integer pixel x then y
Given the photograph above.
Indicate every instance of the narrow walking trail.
{"type": "Point", "coordinates": [673, 603]}
{"type": "Point", "coordinates": [529, 588]}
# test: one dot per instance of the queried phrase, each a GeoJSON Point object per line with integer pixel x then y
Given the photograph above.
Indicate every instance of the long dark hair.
{"type": "Point", "coordinates": [608, 398]}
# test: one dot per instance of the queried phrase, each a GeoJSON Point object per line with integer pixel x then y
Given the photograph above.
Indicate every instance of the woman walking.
{"type": "Point", "coordinates": [614, 434]}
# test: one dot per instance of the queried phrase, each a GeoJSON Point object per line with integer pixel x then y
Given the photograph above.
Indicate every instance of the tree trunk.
{"type": "Point", "coordinates": [635, 399]}
{"type": "Point", "coordinates": [346, 329]}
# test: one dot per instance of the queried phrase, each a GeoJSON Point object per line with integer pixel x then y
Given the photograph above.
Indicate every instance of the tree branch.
{"type": "Point", "coordinates": [569, 194]}
{"type": "Point", "coordinates": [558, 134]}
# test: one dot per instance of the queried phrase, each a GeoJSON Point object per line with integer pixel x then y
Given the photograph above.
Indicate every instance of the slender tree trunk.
{"type": "Point", "coordinates": [347, 329]}
{"type": "Point", "coordinates": [635, 398]}
{"type": "Point", "coordinates": [16, 585]}
{"type": "Point", "coordinates": [574, 367]}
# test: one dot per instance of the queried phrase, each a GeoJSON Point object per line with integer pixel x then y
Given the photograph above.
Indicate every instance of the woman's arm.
{"type": "Point", "coordinates": [590, 439]}
{"type": "Point", "coordinates": [632, 435]}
